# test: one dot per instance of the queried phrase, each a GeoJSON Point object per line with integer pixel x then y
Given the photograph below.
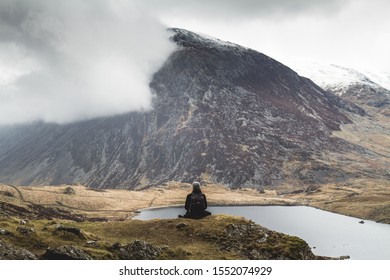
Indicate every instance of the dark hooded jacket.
{"type": "Point", "coordinates": [196, 212]}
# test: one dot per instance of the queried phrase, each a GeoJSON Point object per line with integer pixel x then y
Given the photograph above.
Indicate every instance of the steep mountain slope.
{"type": "Point", "coordinates": [371, 131]}
{"type": "Point", "coordinates": [221, 112]}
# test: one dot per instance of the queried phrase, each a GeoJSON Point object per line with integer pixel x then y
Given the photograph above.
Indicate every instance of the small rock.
{"type": "Point", "coordinates": [116, 246]}
{"type": "Point", "coordinates": [22, 222]}
{"type": "Point", "coordinates": [7, 193]}
{"type": "Point", "coordinates": [92, 243]}
{"type": "Point", "coordinates": [69, 191]}
{"type": "Point", "coordinates": [25, 230]}
{"type": "Point", "coordinates": [361, 222]}
{"type": "Point", "coordinates": [4, 232]}
{"type": "Point", "coordinates": [181, 226]}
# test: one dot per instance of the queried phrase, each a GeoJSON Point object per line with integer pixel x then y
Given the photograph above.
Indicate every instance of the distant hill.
{"type": "Point", "coordinates": [362, 88]}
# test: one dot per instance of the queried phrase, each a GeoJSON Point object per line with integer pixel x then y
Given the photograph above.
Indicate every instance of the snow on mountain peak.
{"type": "Point", "coordinates": [338, 78]}
{"type": "Point", "coordinates": [190, 37]}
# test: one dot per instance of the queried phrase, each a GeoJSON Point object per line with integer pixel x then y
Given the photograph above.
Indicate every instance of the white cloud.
{"type": "Point", "coordinates": [62, 61]}
{"type": "Point", "coordinates": [232, 10]}
{"type": "Point", "coordinates": [352, 33]}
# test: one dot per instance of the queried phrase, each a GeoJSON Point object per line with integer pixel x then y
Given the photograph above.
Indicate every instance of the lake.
{"type": "Point", "coordinates": [328, 234]}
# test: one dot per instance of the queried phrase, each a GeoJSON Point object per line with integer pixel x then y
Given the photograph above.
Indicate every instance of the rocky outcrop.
{"type": "Point", "coordinates": [138, 250]}
{"type": "Point", "coordinates": [24, 230]}
{"type": "Point", "coordinates": [66, 252]}
{"type": "Point", "coordinates": [68, 230]}
{"type": "Point", "coordinates": [251, 241]}
{"type": "Point", "coordinates": [10, 252]}
{"type": "Point", "coordinates": [368, 94]}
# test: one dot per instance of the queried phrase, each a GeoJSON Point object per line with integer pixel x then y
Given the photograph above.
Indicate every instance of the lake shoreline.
{"type": "Point", "coordinates": [254, 204]}
{"type": "Point", "coordinates": [366, 200]}
{"type": "Point", "coordinates": [328, 234]}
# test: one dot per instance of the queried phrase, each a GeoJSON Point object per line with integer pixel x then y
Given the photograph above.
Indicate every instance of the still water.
{"type": "Point", "coordinates": [328, 234]}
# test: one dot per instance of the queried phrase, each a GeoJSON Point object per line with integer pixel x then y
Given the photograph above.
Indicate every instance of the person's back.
{"type": "Point", "coordinates": [196, 203]}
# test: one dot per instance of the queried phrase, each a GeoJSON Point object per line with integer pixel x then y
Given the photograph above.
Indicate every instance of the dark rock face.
{"type": "Point", "coordinates": [66, 252]}
{"type": "Point", "coordinates": [221, 112]}
{"type": "Point", "coordinates": [9, 252]}
{"type": "Point", "coordinates": [368, 94]}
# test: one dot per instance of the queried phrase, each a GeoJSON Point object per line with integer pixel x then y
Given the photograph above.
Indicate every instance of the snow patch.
{"type": "Point", "coordinates": [339, 78]}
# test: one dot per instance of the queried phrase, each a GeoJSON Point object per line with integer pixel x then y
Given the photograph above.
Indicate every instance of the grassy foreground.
{"type": "Point", "coordinates": [75, 222]}
{"type": "Point", "coordinates": [214, 237]}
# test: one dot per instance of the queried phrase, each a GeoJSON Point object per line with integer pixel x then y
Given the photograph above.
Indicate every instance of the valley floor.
{"type": "Point", "coordinates": [364, 199]}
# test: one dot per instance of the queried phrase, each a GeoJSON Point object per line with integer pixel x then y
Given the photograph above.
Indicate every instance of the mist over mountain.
{"type": "Point", "coordinates": [221, 113]}
{"type": "Point", "coordinates": [75, 60]}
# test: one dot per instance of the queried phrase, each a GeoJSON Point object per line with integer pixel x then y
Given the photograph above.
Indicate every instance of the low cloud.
{"type": "Point", "coordinates": [63, 61]}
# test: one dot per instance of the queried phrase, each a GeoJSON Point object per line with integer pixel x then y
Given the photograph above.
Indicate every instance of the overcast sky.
{"type": "Point", "coordinates": [352, 33]}
{"type": "Point", "coordinates": [62, 61]}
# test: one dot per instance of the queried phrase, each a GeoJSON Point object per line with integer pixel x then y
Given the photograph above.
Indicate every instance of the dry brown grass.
{"type": "Point", "coordinates": [122, 204]}
{"type": "Point", "coordinates": [368, 199]}
{"type": "Point", "coordinates": [362, 198]}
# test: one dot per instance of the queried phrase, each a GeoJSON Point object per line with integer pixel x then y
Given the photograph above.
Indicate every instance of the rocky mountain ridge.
{"type": "Point", "coordinates": [362, 88]}
{"type": "Point", "coordinates": [221, 113]}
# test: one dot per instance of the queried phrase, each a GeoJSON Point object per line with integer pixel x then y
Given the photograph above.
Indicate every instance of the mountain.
{"type": "Point", "coordinates": [362, 88]}
{"type": "Point", "coordinates": [221, 113]}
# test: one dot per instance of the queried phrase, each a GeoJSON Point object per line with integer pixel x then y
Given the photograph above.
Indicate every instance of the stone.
{"type": "Point", "coordinates": [181, 226]}
{"type": "Point", "coordinates": [10, 252]}
{"type": "Point", "coordinates": [5, 232]}
{"type": "Point", "coordinates": [74, 230]}
{"type": "Point", "coordinates": [92, 243]}
{"type": "Point", "coordinates": [25, 230]}
{"type": "Point", "coordinates": [139, 250]}
{"type": "Point", "coordinates": [69, 191]}
{"type": "Point", "coordinates": [66, 252]}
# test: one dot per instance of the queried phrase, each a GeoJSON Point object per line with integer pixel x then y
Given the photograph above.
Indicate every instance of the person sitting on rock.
{"type": "Point", "coordinates": [196, 203]}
